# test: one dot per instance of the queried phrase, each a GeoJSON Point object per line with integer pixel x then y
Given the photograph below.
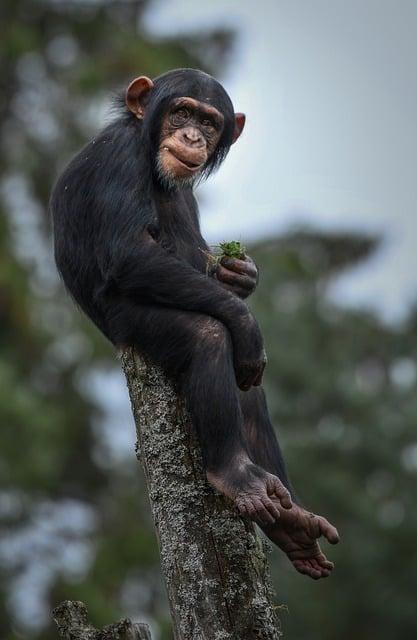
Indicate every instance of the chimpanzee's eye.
{"type": "Point", "coordinates": [180, 116]}
{"type": "Point", "coordinates": [208, 124]}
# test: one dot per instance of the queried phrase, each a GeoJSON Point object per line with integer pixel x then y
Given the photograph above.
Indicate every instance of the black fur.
{"type": "Point", "coordinates": [132, 256]}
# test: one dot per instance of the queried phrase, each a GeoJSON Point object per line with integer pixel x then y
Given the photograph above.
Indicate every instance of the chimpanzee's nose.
{"type": "Point", "coordinates": [193, 137]}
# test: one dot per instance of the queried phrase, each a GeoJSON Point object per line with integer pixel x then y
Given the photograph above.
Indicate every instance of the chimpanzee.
{"type": "Point", "coordinates": [129, 248]}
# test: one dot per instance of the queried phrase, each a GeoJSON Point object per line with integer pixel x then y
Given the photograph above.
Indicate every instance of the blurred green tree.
{"type": "Point", "coordinates": [342, 390]}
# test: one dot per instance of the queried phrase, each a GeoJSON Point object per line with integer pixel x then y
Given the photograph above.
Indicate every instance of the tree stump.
{"type": "Point", "coordinates": [72, 622]}
{"type": "Point", "coordinates": [213, 561]}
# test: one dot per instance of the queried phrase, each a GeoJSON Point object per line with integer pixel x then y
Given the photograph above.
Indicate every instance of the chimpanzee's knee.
{"type": "Point", "coordinates": [173, 339]}
{"type": "Point", "coordinates": [212, 339]}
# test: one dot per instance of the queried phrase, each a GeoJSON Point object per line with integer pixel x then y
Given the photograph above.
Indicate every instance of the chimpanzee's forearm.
{"type": "Point", "coordinates": [149, 273]}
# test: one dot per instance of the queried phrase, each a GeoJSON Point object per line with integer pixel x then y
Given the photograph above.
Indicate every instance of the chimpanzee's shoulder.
{"type": "Point", "coordinates": [107, 158]}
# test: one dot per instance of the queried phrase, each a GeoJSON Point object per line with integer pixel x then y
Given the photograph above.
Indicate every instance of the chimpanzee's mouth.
{"type": "Point", "coordinates": [191, 166]}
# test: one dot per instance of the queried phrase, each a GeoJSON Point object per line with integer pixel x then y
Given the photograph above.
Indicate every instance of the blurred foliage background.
{"type": "Point", "coordinates": [74, 518]}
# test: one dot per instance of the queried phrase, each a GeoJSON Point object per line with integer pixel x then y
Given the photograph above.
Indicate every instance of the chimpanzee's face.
{"type": "Point", "coordinates": [190, 133]}
{"type": "Point", "coordinates": [194, 137]}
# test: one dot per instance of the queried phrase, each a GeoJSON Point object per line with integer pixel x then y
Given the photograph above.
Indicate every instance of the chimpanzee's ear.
{"type": "Point", "coordinates": [137, 94]}
{"type": "Point", "coordinates": [240, 120]}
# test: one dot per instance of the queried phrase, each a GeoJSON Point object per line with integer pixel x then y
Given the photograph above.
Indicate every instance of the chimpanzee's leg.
{"type": "Point", "coordinates": [297, 530]}
{"type": "Point", "coordinates": [196, 351]}
{"type": "Point", "coordinates": [260, 435]}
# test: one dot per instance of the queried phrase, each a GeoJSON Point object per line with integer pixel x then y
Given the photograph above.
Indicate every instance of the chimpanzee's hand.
{"type": "Point", "coordinates": [239, 276]}
{"type": "Point", "coordinates": [248, 352]}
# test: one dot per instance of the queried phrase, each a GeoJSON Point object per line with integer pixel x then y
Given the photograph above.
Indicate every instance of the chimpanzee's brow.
{"type": "Point", "coordinates": [199, 106]}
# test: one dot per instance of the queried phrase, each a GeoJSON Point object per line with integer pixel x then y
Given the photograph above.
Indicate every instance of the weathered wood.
{"type": "Point", "coordinates": [213, 561]}
{"type": "Point", "coordinates": [72, 622]}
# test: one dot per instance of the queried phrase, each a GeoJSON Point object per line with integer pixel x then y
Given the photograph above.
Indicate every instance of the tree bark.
{"type": "Point", "coordinates": [213, 561]}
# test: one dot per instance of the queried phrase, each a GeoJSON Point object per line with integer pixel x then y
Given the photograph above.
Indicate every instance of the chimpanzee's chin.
{"type": "Point", "coordinates": [169, 181]}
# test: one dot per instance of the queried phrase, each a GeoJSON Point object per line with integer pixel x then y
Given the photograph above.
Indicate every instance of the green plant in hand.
{"type": "Point", "coordinates": [233, 249]}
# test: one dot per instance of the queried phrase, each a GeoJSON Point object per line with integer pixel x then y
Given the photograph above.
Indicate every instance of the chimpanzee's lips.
{"type": "Point", "coordinates": [191, 166]}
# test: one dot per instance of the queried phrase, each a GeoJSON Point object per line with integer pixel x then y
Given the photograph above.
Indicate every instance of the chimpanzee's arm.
{"type": "Point", "coordinates": [145, 271]}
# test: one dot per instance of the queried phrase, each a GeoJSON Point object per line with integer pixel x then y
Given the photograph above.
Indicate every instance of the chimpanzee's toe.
{"type": "Point", "coordinates": [257, 509]}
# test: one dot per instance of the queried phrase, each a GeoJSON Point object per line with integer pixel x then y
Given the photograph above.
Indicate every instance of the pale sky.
{"type": "Point", "coordinates": [329, 88]}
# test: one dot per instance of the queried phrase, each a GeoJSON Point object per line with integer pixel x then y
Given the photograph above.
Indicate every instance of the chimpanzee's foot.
{"type": "Point", "coordinates": [255, 492]}
{"type": "Point", "coordinates": [296, 534]}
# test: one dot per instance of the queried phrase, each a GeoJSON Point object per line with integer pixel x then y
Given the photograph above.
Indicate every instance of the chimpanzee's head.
{"type": "Point", "coordinates": [189, 121]}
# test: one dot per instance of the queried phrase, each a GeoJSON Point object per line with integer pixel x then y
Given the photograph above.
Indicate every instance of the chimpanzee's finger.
{"type": "Point", "coordinates": [233, 278]}
{"type": "Point", "coordinates": [246, 378]}
{"type": "Point", "coordinates": [319, 567]}
{"type": "Point", "coordinates": [314, 573]}
{"type": "Point", "coordinates": [244, 506]}
{"type": "Point", "coordinates": [238, 291]}
{"type": "Point", "coordinates": [254, 509]}
{"type": "Point", "coordinates": [273, 509]}
{"type": "Point", "coordinates": [301, 567]}
{"type": "Point", "coordinates": [326, 564]}
{"type": "Point", "coordinates": [258, 380]}
{"type": "Point", "coordinates": [276, 487]}
{"type": "Point", "coordinates": [262, 513]}
{"type": "Point", "coordinates": [328, 530]}
{"type": "Point", "coordinates": [244, 383]}
{"type": "Point", "coordinates": [247, 266]}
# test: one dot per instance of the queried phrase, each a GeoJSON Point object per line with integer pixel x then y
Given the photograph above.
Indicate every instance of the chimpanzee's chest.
{"type": "Point", "coordinates": [177, 230]}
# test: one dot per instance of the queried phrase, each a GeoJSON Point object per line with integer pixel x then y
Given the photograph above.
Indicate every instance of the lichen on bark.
{"type": "Point", "coordinates": [213, 561]}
